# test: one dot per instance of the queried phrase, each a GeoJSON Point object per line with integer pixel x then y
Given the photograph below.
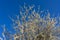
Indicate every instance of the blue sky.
{"type": "Point", "coordinates": [11, 7]}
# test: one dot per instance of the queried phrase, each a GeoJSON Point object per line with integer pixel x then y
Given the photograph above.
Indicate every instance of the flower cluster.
{"type": "Point", "coordinates": [34, 24]}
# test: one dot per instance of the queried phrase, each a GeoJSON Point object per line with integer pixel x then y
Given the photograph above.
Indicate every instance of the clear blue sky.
{"type": "Point", "coordinates": [11, 7]}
